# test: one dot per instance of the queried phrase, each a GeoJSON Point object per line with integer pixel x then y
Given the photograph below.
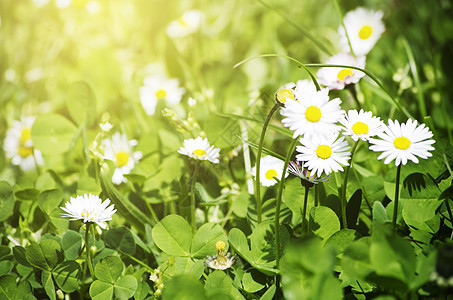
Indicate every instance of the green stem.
{"type": "Point", "coordinates": [304, 210]}
{"type": "Point", "coordinates": [87, 250]}
{"type": "Point", "coordinates": [258, 163]}
{"type": "Point", "coordinates": [279, 200]}
{"type": "Point", "coordinates": [397, 193]}
{"type": "Point", "coordinates": [344, 202]}
{"type": "Point", "coordinates": [337, 6]}
{"type": "Point", "coordinates": [413, 66]}
{"type": "Point", "coordinates": [137, 261]}
{"type": "Point", "coordinates": [316, 195]}
{"type": "Point", "coordinates": [192, 198]}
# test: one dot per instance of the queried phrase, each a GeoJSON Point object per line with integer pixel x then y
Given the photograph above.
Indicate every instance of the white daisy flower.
{"type": "Point", "coordinates": [223, 260]}
{"type": "Point", "coordinates": [361, 125]}
{"type": "Point", "coordinates": [308, 179]}
{"type": "Point", "coordinates": [403, 142]}
{"type": "Point", "coordinates": [313, 112]}
{"type": "Point", "coordinates": [337, 78]}
{"type": "Point", "coordinates": [19, 146]}
{"type": "Point", "coordinates": [106, 126]}
{"type": "Point", "coordinates": [323, 153]}
{"type": "Point", "coordinates": [200, 149]}
{"type": "Point", "coordinates": [364, 28]}
{"type": "Point", "coordinates": [187, 24]}
{"type": "Point", "coordinates": [270, 167]}
{"type": "Point", "coordinates": [286, 93]}
{"type": "Point", "coordinates": [119, 150]}
{"type": "Point", "coordinates": [89, 208]}
{"type": "Point", "coordinates": [157, 88]}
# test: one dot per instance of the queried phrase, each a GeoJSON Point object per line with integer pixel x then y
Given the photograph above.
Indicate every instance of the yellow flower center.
{"type": "Point", "coordinates": [220, 246]}
{"type": "Point", "coordinates": [121, 158]}
{"type": "Point", "coordinates": [360, 128]}
{"type": "Point", "coordinates": [161, 94]}
{"type": "Point", "coordinates": [344, 73]}
{"type": "Point", "coordinates": [365, 32]}
{"type": "Point", "coordinates": [199, 152]}
{"type": "Point", "coordinates": [25, 135]}
{"type": "Point", "coordinates": [313, 114]}
{"type": "Point", "coordinates": [25, 151]}
{"type": "Point", "coordinates": [270, 174]}
{"type": "Point", "coordinates": [283, 94]}
{"type": "Point", "coordinates": [402, 143]}
{"type": "Point", "coordinates": [323, 151]}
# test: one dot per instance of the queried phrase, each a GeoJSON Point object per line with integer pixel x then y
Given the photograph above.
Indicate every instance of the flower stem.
{"type": "Point", "coordinates": [192, 198]}
{"type": "Point", "coordinates": [304, 210]}
{"type": "Point", "coordinates": [258, 162]}
{"type": "Point", "coordinates": [316, 195]}
{"type": "Point", "coordinates": [87, 250]}
{"type": "Point", "coordinates": [344, 201]}
{"type": "Point", "coordinates": [279, 201]}
{"type": "Point", "coordinates": [397, 193]}
{"type": "Point", "coordinates": [337, 6]}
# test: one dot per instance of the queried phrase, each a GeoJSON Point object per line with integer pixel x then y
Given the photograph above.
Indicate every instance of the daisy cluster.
{"type": "Point", "coordinates": [322, 127]}
{"type": "Point", "coordinates": [362, 29]}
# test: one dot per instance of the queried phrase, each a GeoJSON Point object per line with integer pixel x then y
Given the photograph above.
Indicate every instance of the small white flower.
{"type": "Point", "coordinates": [364, 28]}
{"type": "Point", "coordinates": [323, 153]}
{"type": "Point", "coordinates": [19, 146]}
{"type": "Point", "coordinates": [270, 167]}
{"type": "Point", "coordinates": [361, 125]}
{"type": "Point", "coordinates": [308, 179]}
{"type": "Point", "coordinates": [89, 208]}
{"type": "Point", "coordinates": [223, 260]}
{"type": "Point", "coordinates": [105, 126]}
{"type": "Point", "coordinates": [286, 93]}
{"type": "Point", "coordinates": [192, 102]}
{"type": "Point", "coordinates": [313, 113]}
{"type": "Point", "coordinates": [403, 142]}
{"type": "Point", "coordinates": [200, 149]}
{"type": "Point", "coordinates": [187, 24]}
{"type": "Point", "coordinates": [157, 88]}
{"type": "Point", "coordinates": [337, 78]}
{"type": "Point", "coordinates": [119, 150]}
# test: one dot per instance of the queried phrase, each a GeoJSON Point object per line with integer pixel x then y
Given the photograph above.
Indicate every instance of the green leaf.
{"type": "Point", "coordinates": [50, 200]}
{"type": "Point", "coordinates": [109, 269]}
{"type": "Point", "coordinates": [218, 283]}
{"type": "Point", "coordinates": [125, 287]}
{"type": "Point", "coordinates": [67, 276]}
{"type": "Point", "coordinates": [71, 243]}
{"type": "Point", "coordinates": [250, 284]}
{"type": "Point", "coordinates": [379, 214]}
{"type": "Point", "coordinates": [324, 222]}
{"type": "Point", "coordinates": [142, 291]}
{"type": "Point", "coordinates": [183, 287]}
{"type": "Point", "coordinates": [8, 288]}
{"type": "Point", "coordinates": [238, 241]}
{"type": "Point", "coordinates": [121, 239]}
{"type": "Point", "coordinates": [52, 134]}
{"type": "Point", "coordinates": [5, 251]}
{"type": "Point", "coordinates": [100, 290]}
{"type": "Point", "coordinates": [269, 294]}
{"type": "Point", "coordinates": [204, 240]}
{"type": "Point", "coordinates": [27, 194]}
{"type": "Point", "coordinates": [391, 256]}
{"type": "Point", "coordinates": [81, 103]}
{"type": "Point", "coordinates": [6, 201]}
{"type": "Point", "coordinates": [47, 283]}
{"type": "Point", "coordinates": [173, 235]}
{"type": "Point", "coordinates": [44, 255]}
{"type": "Point", "coordinates": [307, 271]}
{"type": "Point", "coordinates": [5, 267]}
{"type": "Point", "coordinates": [19, 255]}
